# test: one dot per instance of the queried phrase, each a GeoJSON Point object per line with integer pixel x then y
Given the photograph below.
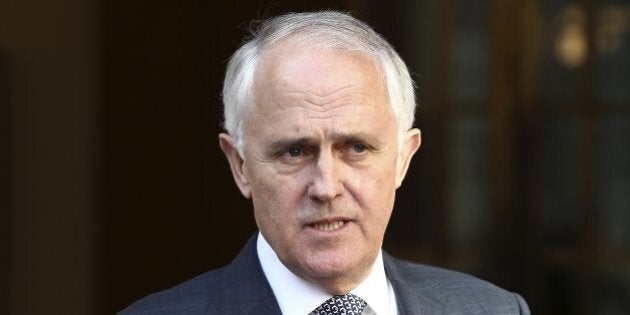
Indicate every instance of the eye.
{"type": "Point", "coordinates": [295, 154]}
{"type": "Point", "coordinates": [294, 151]}
{"type": "Point", "coordinates": [359, 148]}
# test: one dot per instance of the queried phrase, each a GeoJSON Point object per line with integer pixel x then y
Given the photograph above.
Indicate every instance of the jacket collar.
{"type": "Point", "coordinates": [413, 297]}
{"type": "Point", "coordinates": [246, 290]}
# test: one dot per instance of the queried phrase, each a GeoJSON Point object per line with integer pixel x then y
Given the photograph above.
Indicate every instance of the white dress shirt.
{"type": "Point", "coordinates": [297, 296]}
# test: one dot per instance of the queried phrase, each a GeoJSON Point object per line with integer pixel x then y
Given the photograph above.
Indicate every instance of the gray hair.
{"type": "Point", "coordinates": [330, 29]}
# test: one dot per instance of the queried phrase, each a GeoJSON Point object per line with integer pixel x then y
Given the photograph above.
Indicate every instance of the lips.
{"type": "Point", "coordinates": [328, 225]}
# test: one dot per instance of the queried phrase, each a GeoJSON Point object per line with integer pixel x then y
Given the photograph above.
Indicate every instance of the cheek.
{"type": "Point", "coordinates": [275, 194]}
{"type": "Point", "coordinates": [373, 185]}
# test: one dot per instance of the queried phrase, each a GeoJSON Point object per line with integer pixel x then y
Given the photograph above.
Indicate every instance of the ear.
{"type": "Point", "coordinates": [410, 145]}
{"type": "Point", "coordinates": [237, 164]}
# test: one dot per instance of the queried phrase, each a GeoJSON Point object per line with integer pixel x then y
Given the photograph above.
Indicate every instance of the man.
{"type": "Point", "coordinates": [319, 112]}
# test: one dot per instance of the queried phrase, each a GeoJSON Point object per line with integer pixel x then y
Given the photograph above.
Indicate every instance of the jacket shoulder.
{"type": "Point", "coordinates": [190, 297]}
{"type": "Point", "coordinates": [238, 288]}
{"type": "Point", "coordinates": [452, 292]}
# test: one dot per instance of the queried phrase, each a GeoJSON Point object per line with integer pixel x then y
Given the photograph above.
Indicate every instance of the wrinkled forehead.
{"type": "Point", "coordinates": [294, 46]}
{"type": "Point", "coordinates": [323, 73]}
{"type": "Point", "coordinates": [318, 87]}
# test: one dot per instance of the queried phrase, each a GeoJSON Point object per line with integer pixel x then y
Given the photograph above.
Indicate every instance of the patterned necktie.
{"type": "Point", "coordinates": [348, 304]}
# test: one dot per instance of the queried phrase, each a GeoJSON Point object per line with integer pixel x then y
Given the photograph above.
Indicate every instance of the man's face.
{"type": "Point", "coordinates": [321, 162]}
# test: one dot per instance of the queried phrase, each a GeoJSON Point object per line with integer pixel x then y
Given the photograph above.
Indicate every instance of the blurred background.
{"type": "Point", "coordinates": [112, 184]}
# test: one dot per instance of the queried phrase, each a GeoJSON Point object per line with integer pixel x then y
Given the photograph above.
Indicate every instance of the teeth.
{"type": "Point", "coordinates": [329, 226]}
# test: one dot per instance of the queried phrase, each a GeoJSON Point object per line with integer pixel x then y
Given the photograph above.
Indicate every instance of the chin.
{"type": "Point", "coordinates": [331, 263]}
{"type": "Point", "coordinates": [327, 269]}
{"type": "Point", "coordinates": [337, 281]}
{"type": "Point", "coordinates": [337, 276]}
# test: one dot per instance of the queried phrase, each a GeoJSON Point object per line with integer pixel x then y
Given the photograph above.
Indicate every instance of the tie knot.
{"type": "Point", "coordinates": [347, 304]}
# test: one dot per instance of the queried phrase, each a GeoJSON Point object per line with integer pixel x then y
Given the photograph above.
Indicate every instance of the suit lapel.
{"type": "Point", "coordinates": [409, 294]}
{"type": "Point", "coordinates": [246, 290]}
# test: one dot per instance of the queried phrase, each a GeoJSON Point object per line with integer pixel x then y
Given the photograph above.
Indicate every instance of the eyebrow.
{"type": "Point", "coordinates": [358, 137]}
{"type": "Point", "coordinates": [284, 143]}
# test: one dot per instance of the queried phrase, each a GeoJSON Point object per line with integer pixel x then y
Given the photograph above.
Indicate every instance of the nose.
{"type": "Point", "coordinates": [325, 183]}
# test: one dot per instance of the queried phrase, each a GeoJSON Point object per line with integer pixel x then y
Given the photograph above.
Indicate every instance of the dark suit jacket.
{"type": "Point", "coordinates": [241, 288]}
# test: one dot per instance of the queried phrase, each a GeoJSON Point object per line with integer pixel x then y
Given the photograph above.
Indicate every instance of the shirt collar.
{"type": "Point", "coordinates": [298, 296]}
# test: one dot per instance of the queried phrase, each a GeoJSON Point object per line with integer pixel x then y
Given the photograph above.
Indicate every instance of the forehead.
{"type": "Point", "coordinates": [300, 89]}
{"type": "Point", "coordinates": [293, 65]}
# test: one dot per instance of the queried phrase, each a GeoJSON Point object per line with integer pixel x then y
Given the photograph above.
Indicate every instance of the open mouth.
{"type": "Point", "coordinates": [328, 226]}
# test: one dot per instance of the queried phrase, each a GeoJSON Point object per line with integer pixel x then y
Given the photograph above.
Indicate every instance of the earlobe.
{"type": "Point", "coordinates": [237, 164]}
{"type": "Point", "coordinates": [410, 145]}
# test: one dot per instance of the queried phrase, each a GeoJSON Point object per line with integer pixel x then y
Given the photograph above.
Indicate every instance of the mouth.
{"type": "Point", "coordinates": [328, 225]}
